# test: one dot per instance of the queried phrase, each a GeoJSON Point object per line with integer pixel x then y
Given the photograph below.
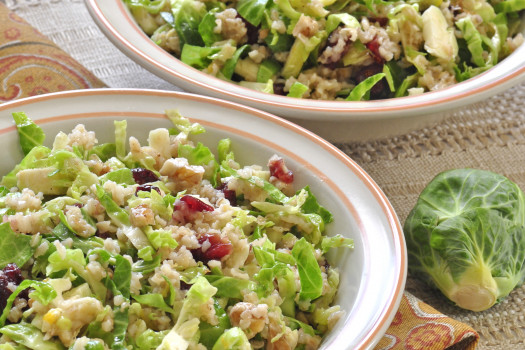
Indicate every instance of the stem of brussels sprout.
{"type": "Point", "coordinates": [476, 289]}
{"type": "Point", "coordinates": [474, 298]}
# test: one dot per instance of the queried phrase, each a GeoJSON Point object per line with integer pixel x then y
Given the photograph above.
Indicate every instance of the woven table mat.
{"type": "Point", "coordinates": [488, 135]}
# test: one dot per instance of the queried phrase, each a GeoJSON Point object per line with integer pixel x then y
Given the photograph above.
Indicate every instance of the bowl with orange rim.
{"type": "Point", "coordinates": [342, 120]}
{"type": "Point", "coordinates": [372, 273]}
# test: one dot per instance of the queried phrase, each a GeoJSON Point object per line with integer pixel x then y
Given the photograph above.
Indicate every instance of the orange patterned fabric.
{"type": "Point", "coordinates": [418, 326]}
{"type": "Point", "coordinates": [31, 64]}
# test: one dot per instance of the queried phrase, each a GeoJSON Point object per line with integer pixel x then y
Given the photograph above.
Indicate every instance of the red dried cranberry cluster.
{"type": "Point", "coordinates": [10, 274]}
{"type": "Point", "coordinates": [142, 176]}
{"type": "Point", "coordinates": [218, 248]}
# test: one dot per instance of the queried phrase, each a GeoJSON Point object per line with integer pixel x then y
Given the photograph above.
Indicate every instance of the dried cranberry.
{"type": "Point", "coordinates": [332, 61]}
{"type": "Point", "coordinates": [252, 32]}
{"type": "Point", "coordinates": [10, 274]}
{"type": "Point", "coordinates": [103, 235]}
{"type": "Point", "coordinates": [213, 239]}
{"type": "Point", "coordinates": [231, 196]}
{"type": "Point", "coordinates": [383, 21]}
{"type": "Point", "coordinates": [373, 46]}
{"type": "Point", "coordinates": [4, 291]}
{"type": "Point", "coordinates": [195, 204]}
{"type": "Point", "coordinates": [217, 249]}
{"type": "Point", "coordinates": [78, 205]}
{"type": "Point", "coordinates": [146, 188]}
{"type": "Point", "coordinates": [13, 274]}
{"type": "Point", "coordinates": [142, 176]}
{"type": "Point", "coordinates": [278, 89]}
{"type": "Point", "coordinates": [368, 71]}
{"type": "Point", "coordinates": [186, 208]}
{"type": "Point", "coordinates": [24, 294]}
{"type": "Point", "coordinates": [228, 194]}
{"type": "Point", "coordinates": [184, 285]}
{"type": "Point", "coordinates": [379, 90]}
{"type": "Point", "coordinates": [279, 170]}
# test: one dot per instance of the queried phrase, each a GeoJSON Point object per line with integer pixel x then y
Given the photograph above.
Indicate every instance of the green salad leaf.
{"type": "Point", "coordinates": [297, 90]}
{"type": "Point", "coordinates": [309, 271]}
{"type": "Point", "coordinates": [197, 56]}
{"type": "Point", "coordinates": [234, 339]}
{"type": "Point", "coordinates": [187, 15]}
{"type": "Point", "coordinates": [359, 92]}
{"type": "Point", "coordinates": [14, 248]}
{"type": "Point", "coordinates": [31, 135]}
{"type": "Point", "coordinates": [252, 10]}
{"type": "Point", "coordinates": [207, 33]}
{"type": "Point", "coordinates": [229, 66]}
{"type": "Point", "coordinates": [30, 337]}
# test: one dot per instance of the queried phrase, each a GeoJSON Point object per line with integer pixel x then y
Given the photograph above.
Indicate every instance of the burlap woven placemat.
{"type": "Point", "coordinates": [489, 135]}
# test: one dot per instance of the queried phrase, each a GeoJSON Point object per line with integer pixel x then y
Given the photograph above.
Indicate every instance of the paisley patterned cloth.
{"type": "Point", "coordinates": [418, 326]}
{"type": "Point", "coordinates": [30, 64]}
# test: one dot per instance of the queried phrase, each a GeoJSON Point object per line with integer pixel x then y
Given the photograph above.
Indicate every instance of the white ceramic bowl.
{"type": "Point", "coordinates": [372, 275]}
{"type": "Point", "coordinates": [333, 120]}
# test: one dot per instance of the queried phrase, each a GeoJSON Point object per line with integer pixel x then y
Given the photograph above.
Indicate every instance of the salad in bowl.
{"type": "Point", "coordinates": [163, 245]}
{"type": "Point", "coordinates": [335, 49]}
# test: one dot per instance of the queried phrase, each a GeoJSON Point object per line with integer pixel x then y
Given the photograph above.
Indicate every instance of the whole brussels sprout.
{"type": "Point", "coordinates": [466, 235]}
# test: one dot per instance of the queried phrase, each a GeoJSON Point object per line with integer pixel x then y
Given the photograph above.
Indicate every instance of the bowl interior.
{"type": "Point", "coordinates": [372, 275]}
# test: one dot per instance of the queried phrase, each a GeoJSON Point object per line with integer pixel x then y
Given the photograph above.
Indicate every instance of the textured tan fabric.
{"type": "Point", "coordinates": [489, 135]}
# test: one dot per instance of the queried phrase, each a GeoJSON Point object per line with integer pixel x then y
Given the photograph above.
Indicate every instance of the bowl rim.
{"type": "Point", "coordinates": [490, 82]}
{"type": "Point", "coordinates": [388, 310]}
